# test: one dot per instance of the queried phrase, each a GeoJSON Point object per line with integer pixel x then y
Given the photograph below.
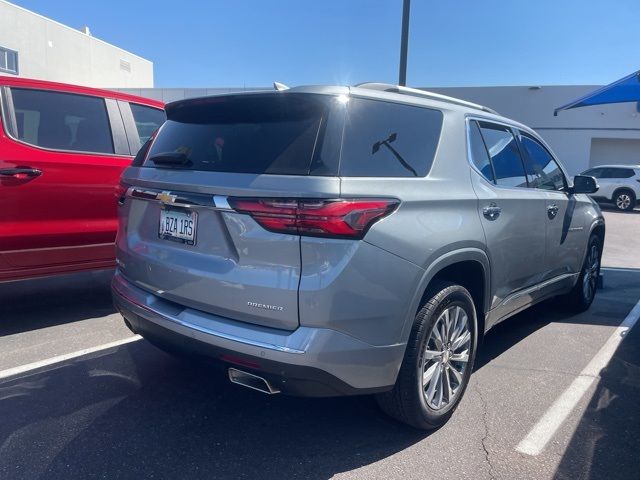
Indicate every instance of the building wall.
{"type": "Point", "coordinates": [617, 151]}
{"type": "Point", "coordinates": [570, 134]}
{"type": "Point", "coordinates": [614, 130]}
{"type": "Point", "coordinates": [48, 50]}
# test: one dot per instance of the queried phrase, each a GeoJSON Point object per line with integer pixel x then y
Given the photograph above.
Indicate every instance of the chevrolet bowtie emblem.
{"type": "Point", "coordinates": [166, 197]}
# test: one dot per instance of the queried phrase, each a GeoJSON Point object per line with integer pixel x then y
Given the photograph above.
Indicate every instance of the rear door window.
{"type": "Point", "coordinates": [383, 139]}
{"type": "Point", "coordinates": [147, 120]}
{"type": "Point", "coordinates": [62, 121]}
{"type": "Point", "coordinates": [541, 168]}
{"type": "Point", "coordinates": [621, 173]}
{"type": "Point", "coordinates": [505, 155]}
{"type": "Point", "coordinates": [259, 133]}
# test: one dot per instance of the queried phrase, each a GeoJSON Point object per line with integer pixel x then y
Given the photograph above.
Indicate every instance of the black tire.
{"type": "Point", "coordinates": [624, 200]}
{"type": "Point", "coordinates": [581, 296]}
{"type": "Point", "coordinates": [408, 400]}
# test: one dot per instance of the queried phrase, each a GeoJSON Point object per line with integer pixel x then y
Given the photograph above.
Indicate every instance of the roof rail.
{"type": "Point", "coordinates": [388, 87]}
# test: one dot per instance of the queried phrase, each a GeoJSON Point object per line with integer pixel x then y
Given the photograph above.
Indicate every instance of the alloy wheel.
{"type": "Point", "coordinates": [623, 201]}
{"type": "Point", "coordinates": [590, 276]}
{"type": "Point", "coordinates": [445, 357]}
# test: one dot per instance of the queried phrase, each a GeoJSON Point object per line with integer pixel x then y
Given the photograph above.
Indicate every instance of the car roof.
{"type": "Point", "coordinates": [68, 88]}
{"type": "Point", "coordinates": [393, 93]}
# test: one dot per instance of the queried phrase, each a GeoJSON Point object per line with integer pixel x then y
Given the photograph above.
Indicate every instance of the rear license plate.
{"type": "Point", "coordinates": [178, 225]}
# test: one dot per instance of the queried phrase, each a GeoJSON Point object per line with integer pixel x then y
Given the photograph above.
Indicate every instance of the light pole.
{"type": "Point", "coordinates": [404, 43]}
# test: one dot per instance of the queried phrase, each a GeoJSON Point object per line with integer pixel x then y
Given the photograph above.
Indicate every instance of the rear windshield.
{"type": "Point", "coordinates": [272, 134]}
{"type": "Point", "coordinates": [298, 134]}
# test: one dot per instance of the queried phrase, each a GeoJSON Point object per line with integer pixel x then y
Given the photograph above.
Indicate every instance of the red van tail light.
{"type": "Point", "coordinates": [349, 218]}
{"type": "Point", "coordinates": [121, 191]}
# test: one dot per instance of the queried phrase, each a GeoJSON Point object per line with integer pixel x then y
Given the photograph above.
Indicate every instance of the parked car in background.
{"type": "Point", "coordinates": [619, 185]}
{"type": "Point", "coordinates": [62, 151]}
{"type": "Point", "coordinates": [335, 240]}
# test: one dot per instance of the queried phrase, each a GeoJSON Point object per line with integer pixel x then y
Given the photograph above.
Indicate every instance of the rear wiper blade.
{"type": "Point", "coordinates": [387, 143]}
{"type": "Point", "coordinates": [170, 158]}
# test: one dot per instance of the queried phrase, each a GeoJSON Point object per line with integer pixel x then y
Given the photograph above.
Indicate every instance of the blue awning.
{"type": "Point", "coordinates": [626, 89]}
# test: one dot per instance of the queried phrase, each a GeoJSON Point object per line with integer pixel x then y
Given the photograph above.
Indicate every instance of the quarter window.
{"type": "Point", "coordinates": [8, 61]}
{"type": "Point", "coordinates": [62, 121]}
{"type": "Point", "coordinates": [147, 120]}
{"type": "Point", "coordinates": [479, 154]}
{"type": "Point", "coordinates": [384, 139]}
{"type": "Point", "coordinates": [617, 173]}
{"type": "Point", "coordinates": [542, 170]}
{"type": "Point", "coordinates": [505, 156]}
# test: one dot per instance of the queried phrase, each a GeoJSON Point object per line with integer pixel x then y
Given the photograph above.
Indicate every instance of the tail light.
{"type": "Point", "coordinates": [349, 218]}
{"type": "Point", "coordinates": [121, 191]}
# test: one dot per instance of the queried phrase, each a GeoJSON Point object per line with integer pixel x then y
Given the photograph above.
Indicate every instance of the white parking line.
{"type": "Point", "coordinates": [62, 358]}
{"type": "Point", "coordinates": [543, 431]}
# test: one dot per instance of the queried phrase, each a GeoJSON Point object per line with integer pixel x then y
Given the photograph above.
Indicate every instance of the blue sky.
{"type": "Point", "coordinates": [452, 42]}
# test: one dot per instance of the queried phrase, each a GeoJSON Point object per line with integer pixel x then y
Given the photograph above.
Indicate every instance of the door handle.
{"type": "Point", "coordinates": [20, 172]}
{"type": "Point", "coordinates": [492, 211]}
{"type": "Point", "coordinates": [552, 211]}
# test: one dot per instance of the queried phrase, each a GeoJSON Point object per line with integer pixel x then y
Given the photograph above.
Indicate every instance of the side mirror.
{"type": "Point", "coordinates": [584, 184]}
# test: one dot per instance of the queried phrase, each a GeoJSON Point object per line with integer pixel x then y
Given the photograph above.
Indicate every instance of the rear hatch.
{"type": "Point", "coordinates": [209, 217]}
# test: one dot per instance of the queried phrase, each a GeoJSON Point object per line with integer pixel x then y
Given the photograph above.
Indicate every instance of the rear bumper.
{"type": "Point", "coordinates": [307, 361]}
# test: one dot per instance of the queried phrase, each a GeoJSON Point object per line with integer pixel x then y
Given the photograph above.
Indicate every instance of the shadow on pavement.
{"type": "Point", "coordinates": [33, 304]}
{"type": "Point", "coordinates": [611, 305]}
{"type": "Point", "coordinates": [610, 428]}
{"type": "Point", "coordinates": [139, 413]}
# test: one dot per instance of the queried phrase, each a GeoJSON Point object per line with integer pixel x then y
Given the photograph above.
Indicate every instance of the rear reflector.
{"type": "Point", "coordinates": [348, 218]}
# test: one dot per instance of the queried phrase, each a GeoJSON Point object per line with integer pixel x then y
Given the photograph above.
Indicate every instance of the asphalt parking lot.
{"type": "Point", "coordinates": [131, 411]}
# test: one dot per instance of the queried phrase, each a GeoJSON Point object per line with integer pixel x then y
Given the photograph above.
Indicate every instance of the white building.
{"type": "Point", "coordinates": [37, 47]}
{"type": "Point", "coordinates": [581, 138]}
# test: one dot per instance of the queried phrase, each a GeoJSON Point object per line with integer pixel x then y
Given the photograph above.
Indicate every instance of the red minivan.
{"type": "Point", "coordinates": [62, 150]}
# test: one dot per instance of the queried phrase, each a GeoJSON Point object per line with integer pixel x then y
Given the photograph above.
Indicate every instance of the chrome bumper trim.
{"type": "Point", "coordinates": [117, 289]}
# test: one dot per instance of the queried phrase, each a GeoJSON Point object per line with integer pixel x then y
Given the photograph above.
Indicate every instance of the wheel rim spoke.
{"type": "Point", "coordinates": [445, 357]}
{"type": "Point", "coordinates": [590, 275]}
{"type": "Point", "coordinates": [439, 388]}
{"type": "Point", "coordinates": [428, 374]}
{"type": "Point", "coordinates": [460, 357]}
{"type": "Point", "coordinates": [437, 337]}
{"type": "Point", "coordinates": [457, 375]}
{"type": "Point", "coordinates": [431, 354]}
{"type": "Point", "coordinates": [433, 382]}
{"type": "Point", "coordinates": [461, 340]}
{"type": "Point", "coordinates": [447, 385]}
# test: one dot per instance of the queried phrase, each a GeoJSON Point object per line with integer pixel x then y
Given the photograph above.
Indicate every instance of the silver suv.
{"type": "Point", "coordinates": [619, 184]}
{"type": "Point", "coordinates": [334, 240]}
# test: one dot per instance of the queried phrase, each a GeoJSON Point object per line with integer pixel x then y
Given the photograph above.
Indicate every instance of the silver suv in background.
{"type": "Point", "coordinates": [619, 185]}
{"type": "Point", "coordinates": [348, 240]}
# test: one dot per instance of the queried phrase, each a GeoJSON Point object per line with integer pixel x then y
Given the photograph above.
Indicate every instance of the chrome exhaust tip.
{"type": "Point", "coordinates": [252, 381]}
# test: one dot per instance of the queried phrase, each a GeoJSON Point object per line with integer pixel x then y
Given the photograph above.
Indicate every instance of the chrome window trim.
{"type": "Point", "coordinates": [470, 118]}
{"type": "Point", "coordinates": [6, 111]}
